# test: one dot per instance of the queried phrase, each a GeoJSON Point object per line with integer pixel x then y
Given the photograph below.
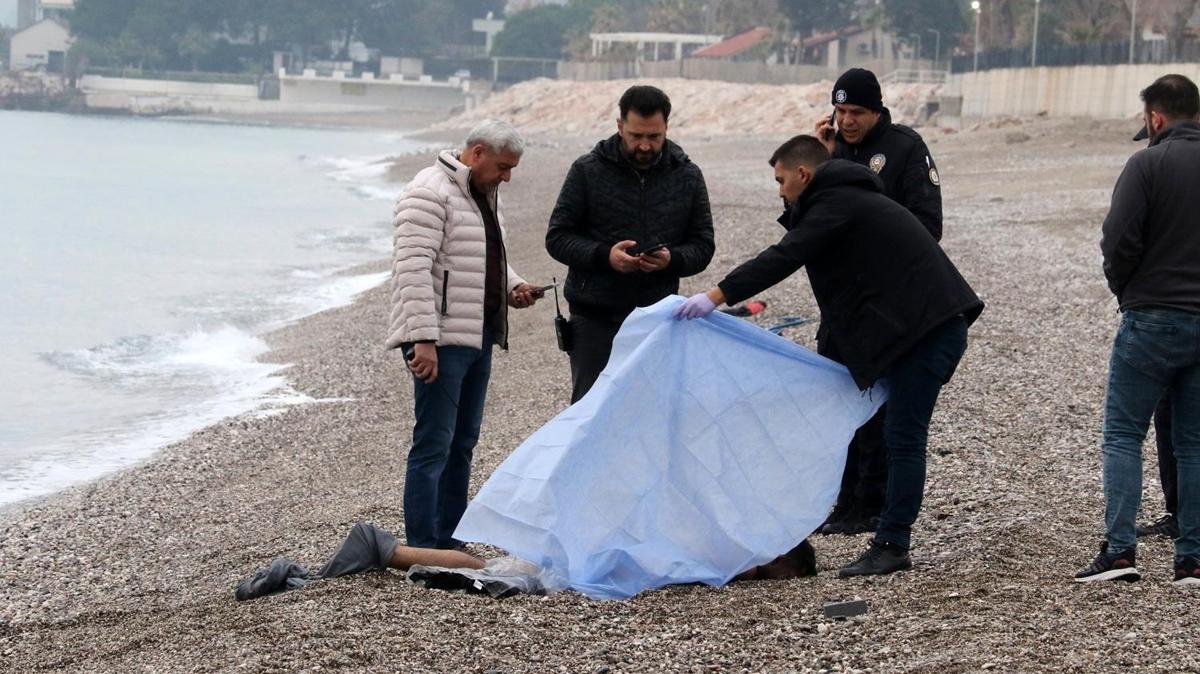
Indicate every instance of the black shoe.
{"type": "Point", "coordinates": [879, 559]}
{"type": "Point", "coordinates": [839, 514]}
{"type": "Point", "coordinates": [1166, 526]}
{"type": "Point", "coordinates": [855, 523]}
{"type": "Point", "coordinates": [1187, 571]}
{"type": "Point", "coordinates": [1111, 566]}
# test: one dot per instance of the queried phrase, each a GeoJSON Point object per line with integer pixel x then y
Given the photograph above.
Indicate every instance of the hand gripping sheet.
{"type": "Point", "coordinates": [706, 447]}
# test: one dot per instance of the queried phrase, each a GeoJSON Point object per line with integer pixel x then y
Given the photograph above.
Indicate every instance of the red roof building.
{"type": "Point", "coordinates": [738, 44]}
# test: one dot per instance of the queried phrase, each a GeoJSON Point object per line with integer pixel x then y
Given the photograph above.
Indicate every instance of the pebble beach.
{"type": "Point", "coordinates": [135, 572]}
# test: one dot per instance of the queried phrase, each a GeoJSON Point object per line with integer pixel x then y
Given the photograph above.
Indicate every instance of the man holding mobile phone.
{"type": "Point", "coordinates": [632, 218]}
{"type": "Point", "coordinates": [451, 291]}
{"type": "Point", "coordinates": [866, 135]}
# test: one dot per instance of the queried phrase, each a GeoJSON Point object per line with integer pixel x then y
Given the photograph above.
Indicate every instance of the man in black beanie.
{"type": "Point", "coordinates": [866, 135]}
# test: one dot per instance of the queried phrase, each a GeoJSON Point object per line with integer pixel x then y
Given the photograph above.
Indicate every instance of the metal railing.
{"type": "Point", "coordinates": [1100, 53]}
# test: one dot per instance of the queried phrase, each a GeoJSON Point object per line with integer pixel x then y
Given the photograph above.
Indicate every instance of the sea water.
{"type": "Point", "coordinates": [142, 261]}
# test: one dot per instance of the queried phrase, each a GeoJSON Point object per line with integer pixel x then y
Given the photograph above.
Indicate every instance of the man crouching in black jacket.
{"type": "Point", "coordinates": [895, 304]}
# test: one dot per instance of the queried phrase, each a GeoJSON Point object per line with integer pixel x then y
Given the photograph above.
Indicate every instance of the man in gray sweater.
{"type": "Point", "coordinates": [1151, 247]}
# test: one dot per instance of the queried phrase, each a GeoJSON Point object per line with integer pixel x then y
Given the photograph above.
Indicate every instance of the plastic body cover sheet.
{"type": "Point", "coordinates": [704, 448]}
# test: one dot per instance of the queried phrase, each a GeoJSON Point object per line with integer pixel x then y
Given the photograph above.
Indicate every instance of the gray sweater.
{"type": "Point", "coordinates": [1151, 240]}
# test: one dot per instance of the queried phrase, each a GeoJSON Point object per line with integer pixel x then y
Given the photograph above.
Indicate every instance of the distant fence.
{"type": "Point", "coordinates": [513, 69]}
{"type": "Point", "coordinates": [1100, 53]}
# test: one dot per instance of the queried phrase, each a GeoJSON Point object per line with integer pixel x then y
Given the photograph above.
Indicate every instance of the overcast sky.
{"type": "Point", "coordinates": [8, 13]}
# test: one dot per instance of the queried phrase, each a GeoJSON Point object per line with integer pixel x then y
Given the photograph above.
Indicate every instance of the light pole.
{"type": "Point", "coordinates": [1037, 10]}
{"type": "Point", "coordinates": [917, 52]}
{"type": "Point", "coordinates": [937, 46]}
{"type": "Point", "coordinates": [978, 9]}
{"type": "Point", "coordinates": [1132, 30]}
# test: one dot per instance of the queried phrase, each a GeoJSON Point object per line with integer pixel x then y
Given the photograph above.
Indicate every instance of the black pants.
{"type": "Point", "coordinates": [593, 344]}
{"type": "Point", "coordinates": [864, 481]}
{"type": "Point", "coordinates": [1167, 474]}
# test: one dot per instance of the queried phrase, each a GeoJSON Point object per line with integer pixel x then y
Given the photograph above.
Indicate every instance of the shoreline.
{"type": "Point", "coordinates": [117, 573]}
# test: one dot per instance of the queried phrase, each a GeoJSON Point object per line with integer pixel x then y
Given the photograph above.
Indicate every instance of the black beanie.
{"type": "Point", "coordinates": [858, 86]}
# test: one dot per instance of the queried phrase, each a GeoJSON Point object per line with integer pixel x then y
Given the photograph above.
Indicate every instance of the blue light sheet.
{"type": "Point", "coordinates": [706, 447]}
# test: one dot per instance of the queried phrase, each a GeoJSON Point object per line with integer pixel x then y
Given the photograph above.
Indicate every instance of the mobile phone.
{"type": "Point", "coordinates": [642, 250]}
{"type": "Point", "coordinates": [543, 289]}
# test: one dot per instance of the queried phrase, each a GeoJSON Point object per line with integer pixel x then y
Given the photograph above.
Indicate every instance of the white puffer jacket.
{"type": "Point", "coordinates": [439, 260]}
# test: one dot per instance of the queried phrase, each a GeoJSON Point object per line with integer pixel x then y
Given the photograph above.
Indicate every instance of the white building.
{"type": "Point", "coordinates": [30, 12]}
{"type": "Point", "coordinates": [42, 45]}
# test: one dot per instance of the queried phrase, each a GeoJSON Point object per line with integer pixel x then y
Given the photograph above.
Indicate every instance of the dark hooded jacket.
{"type": "Point", "coordinates": [1151, 241]}
{"type": "Point", "coordinates": [899, 156]}
{"type": "Point", "coordinates": [880, 279]}
{"type": "Point", "coordinates": [605, 200]}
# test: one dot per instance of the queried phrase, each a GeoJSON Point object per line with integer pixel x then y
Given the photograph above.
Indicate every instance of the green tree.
{"type": "Point", "coordinates": [676, 16]}
{"type": "Point", "coordinates": [916, 17]}
{"type": "Point", "coordinates": [195, 44]}
{"type": "Point", "coordinates": [808, 17]}
{"type": "Point", "coordinates": [538, 32]}
{"type": "Point", "coordinates": [730, 17]}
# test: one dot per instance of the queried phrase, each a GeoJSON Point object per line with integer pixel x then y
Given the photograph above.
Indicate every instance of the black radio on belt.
{"type": "Point", "coordinates": [562, 327]}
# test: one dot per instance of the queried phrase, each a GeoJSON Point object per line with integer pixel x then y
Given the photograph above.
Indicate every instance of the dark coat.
{"type": "Point", "coordinates": [909, 175]}
{"type": "Point", "coordinates": [604, 200]}
{"type": "Point", "coordinates": [880, 279]}
{"type": "Point", "coordinates": [1151, 241]}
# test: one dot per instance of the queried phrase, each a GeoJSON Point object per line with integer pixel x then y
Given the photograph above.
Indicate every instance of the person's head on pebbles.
{"type": "Point", "coordinates": [643, 124]}
{"type": "Point", "coordinates": [492, 150]}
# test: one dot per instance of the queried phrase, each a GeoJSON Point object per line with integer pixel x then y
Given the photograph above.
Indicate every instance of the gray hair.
{"type": "Point", "coordinates": [497, 135]}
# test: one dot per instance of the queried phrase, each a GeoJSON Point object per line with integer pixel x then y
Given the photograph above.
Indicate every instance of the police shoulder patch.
{"type": "Point", "coordinates": [934, 177]}
{"type": "Point", "coordinates": [877, 163]}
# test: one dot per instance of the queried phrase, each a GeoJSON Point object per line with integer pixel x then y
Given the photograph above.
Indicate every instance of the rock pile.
{"type": "Point", "coordinates": [699, 107]}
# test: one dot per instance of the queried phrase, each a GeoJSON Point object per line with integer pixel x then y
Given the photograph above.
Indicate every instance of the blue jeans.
{"type": "Point", "coordinates": [914, 382]}
{"type": "Point", "coordinates": [1155, 350]}
{"type": "Point", "coordinates": [448, 414]}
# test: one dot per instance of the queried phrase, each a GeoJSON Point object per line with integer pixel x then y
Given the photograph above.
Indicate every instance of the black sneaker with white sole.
{"type": "Point", "coordinates": [1187, 571]}
{"type": "Point", "coordinates": [1111, 566]}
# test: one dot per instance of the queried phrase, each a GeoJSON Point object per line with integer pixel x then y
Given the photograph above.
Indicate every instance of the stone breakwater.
{"type": "Point", "coordinates": [699, 107]}
{"type": "Point", "coordinates": [34, 91]}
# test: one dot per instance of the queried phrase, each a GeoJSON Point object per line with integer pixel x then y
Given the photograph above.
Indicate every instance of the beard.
{"type": "Point", "coordinates": [642, 159]}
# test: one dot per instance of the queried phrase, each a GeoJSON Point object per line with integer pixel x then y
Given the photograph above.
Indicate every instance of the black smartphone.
{"type": "Point", "coordinates": [543, 289]}
{"type": "Point", "coordinates": [642, 250]}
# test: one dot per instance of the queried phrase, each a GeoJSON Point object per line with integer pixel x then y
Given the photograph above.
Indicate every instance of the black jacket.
{"type": "Point", "coordinates": [604, 200]}
{"type": "Point", "coordinates": [898, 155]}
{"type": "Point", "coordinates": [880, 279]}
{"type": "Point", "coordinates": [1151, 240]}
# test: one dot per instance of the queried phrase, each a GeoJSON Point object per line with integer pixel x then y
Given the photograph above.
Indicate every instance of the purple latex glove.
{"type": "Point", "coordinates": [696, 306]}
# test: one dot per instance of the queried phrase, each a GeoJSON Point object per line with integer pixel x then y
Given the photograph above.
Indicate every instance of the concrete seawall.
{"type": "Point", "coordinates": [298, 94]}
{"type": "Point", "coordinates": [1104, 92]}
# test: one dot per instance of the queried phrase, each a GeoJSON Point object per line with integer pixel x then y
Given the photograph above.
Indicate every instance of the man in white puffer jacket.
{"type": "Point", "coordinates": [451, 289]}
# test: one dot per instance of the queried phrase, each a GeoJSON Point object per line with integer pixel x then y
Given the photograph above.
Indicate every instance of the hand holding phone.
{"type": "Point", "coordinates": [642, 250]}
{"type": "Point", "coordinates": [825, 128]}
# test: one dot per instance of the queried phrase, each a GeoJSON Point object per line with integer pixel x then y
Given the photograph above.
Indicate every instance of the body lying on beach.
{"type": "Point", "coordinates": [369, 548]}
